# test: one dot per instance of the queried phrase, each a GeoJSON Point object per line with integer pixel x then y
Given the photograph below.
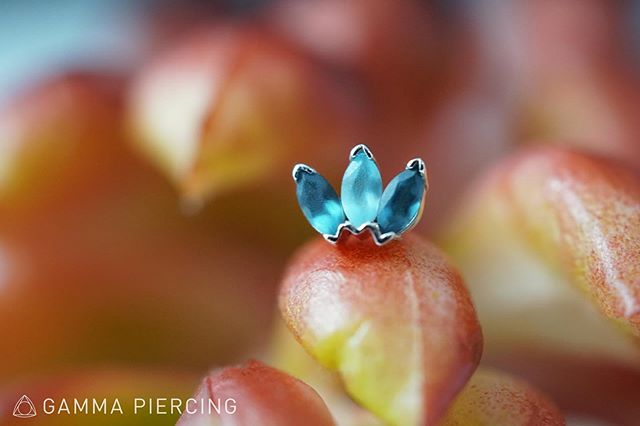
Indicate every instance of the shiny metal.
{"type": "Point", "coordinates": [361, 147]}
{"type": "Point", "coordinates": [301, 168]}
{"type": "Point", "coordinates": [378, 237]}
{"type": "Point", "coordinates": [418, 164]}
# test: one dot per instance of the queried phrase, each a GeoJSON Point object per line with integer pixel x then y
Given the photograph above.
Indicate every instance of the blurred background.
{"type": "Point", "coordinates": [146, 204]}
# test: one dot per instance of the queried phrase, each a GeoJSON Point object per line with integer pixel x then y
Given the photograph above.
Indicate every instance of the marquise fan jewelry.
{"type": "Point", "coordinates": [364, 205]}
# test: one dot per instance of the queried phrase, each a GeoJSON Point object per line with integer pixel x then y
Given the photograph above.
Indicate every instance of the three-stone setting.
{"type": "Point", "coordinates": [363, 204]}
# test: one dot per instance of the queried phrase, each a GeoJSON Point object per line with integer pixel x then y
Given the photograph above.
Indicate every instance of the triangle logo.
{"type": "Point", "coordinates": [24, 408]}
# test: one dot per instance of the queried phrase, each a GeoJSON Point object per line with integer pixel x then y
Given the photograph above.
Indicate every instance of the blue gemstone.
{"type": "Point", "coordinates": [400, 202]}
{"type": "Point", "coordinates": [318, 201]}
{"type": "Point", "coordinates": [361, 189]}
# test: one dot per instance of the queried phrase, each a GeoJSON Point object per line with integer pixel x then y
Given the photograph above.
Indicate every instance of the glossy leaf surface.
{"type": "Point", "coordinates": [396, 322]}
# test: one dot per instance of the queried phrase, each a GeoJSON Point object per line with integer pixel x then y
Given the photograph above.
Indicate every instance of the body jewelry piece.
{"type": "Point", "coordinates": [364, 205]}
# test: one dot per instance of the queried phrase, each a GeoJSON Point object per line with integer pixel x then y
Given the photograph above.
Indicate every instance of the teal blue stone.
{"type": "Point", "coordinates": [400, 202]}
{"type": "Point", "coordinates": [319, 202]}
{"type": "Point", "coordinates": [361, 190]}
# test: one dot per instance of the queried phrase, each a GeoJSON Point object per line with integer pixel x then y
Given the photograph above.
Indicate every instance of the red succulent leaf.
{"type": "Point", "coordinates": [257, 394]}
{"type": "Point", "coordinates": [395, 321]}
{"type": "Point", "coordinates": [230, 106]}
{"type": "Point", "coordinates": [497, 399]}
{"type": "Point", "coordinates": [549, 243]}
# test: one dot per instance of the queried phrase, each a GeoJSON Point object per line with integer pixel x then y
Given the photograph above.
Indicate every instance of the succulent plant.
{"type": "Point", "coordinates": [149, 233]}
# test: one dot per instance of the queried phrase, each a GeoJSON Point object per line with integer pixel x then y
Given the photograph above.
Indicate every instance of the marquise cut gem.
{"type": "Point", "coordinates": [318, 201]}
{"type": "Point", "coordinates": [361, 189]}
{"type": "Point", "coordinates": [401, 201]}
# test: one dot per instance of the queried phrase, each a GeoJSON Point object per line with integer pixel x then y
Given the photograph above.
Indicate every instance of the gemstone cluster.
{"type": "Point", "coordinates": [362, 204]}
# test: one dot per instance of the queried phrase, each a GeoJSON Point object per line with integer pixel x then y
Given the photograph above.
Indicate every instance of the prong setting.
{"type": "Point", "coordinates": [378, 237]}
{"type": "Point", "coordinates": [361, 148]}
{"type": "Point", "coordinates": [419, 165]}
{"type": "Point", "coordinates": [301, 168]}
{"type": "Point", "coordinates": [393, 218]}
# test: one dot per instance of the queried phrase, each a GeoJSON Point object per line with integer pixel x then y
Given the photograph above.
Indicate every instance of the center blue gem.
{"type": "Point", "coordinates": [361, 189]}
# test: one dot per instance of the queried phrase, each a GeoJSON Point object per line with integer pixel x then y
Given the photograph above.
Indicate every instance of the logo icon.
{"type": "Point", "coordinates": [24, 408]}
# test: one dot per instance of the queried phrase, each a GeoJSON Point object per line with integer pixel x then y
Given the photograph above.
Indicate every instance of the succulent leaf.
{"type": "Point", "coordinates": [261, 395]}
{"type": "Point", "coordinates": [544, 218]}
{"type": "Point", "coordinates": [497, 399]}
{"type": "Point", "coordinates": [396, 322]}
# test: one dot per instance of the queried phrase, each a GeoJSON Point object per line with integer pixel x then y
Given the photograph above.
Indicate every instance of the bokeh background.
{"type": "Point", "coordinates": [146, 205]}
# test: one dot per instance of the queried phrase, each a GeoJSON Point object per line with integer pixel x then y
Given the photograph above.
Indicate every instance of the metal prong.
{"type": "Point", "coordinates": [382, 239]}
{"type": "Point", "coordinates": [333, 239]}
{"type": "Point", "coordinates": [374, 229]}
{"type": "Point", "coordinates": [378, 237]}
{"type": "Point", "coordinates": [361, 147]}
{"type": "Point", "coordinates": [298, 168]}
{"type": "Point", "coordinates": [420, 166]}
{"type": "Point", "coordinates": [417, 164]}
